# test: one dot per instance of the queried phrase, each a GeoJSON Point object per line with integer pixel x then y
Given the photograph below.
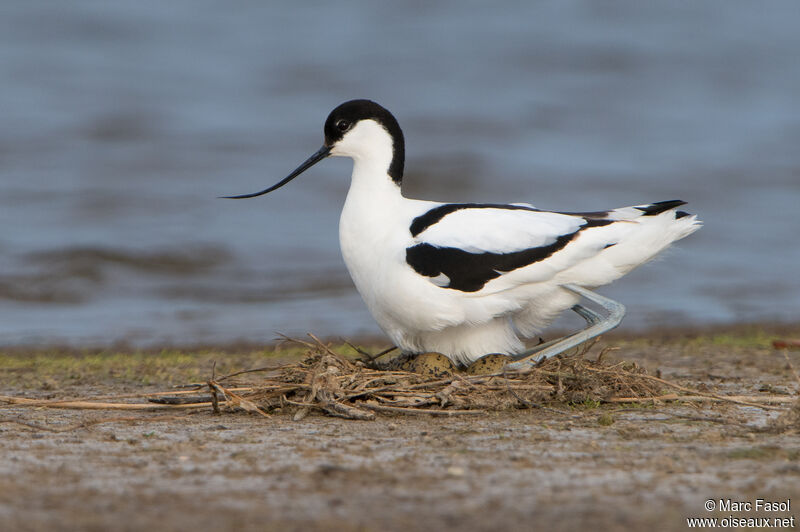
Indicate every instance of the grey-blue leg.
{"type": "Point", "coordinates": [598, 325]}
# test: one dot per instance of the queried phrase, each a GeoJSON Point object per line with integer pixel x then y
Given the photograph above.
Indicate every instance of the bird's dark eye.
{"type": "Point", "coordinates": [342, 125]}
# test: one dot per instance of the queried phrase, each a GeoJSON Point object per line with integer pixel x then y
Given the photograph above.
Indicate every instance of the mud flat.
{"type": "Point", "coordinates": [607, 466]}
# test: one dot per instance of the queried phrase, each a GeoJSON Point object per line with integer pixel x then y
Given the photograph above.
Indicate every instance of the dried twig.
{"type": "Point", "coordinates": [234, 399]}
{"type": "Point", "coordinates": [89, 405]}
{"type": "Point", "coordinates": [768, 399]}
{"type": "Point", "coordinates": [697, 392]}
{"type": "Point", "coordinates": [254, 370]}
{"type": "Point", "coordinates": [17, 401]}
{"type": "Point", "coordinates": [369, 357]}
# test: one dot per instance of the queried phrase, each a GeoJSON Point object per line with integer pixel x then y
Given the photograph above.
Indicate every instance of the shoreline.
{"type": "Point", "coordinates": [759, 331]}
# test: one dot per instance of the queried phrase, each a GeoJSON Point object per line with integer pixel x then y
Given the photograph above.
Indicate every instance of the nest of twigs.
{"type": "Point", "coordinates": [339, 386]}
{"type": "Point", "coordinates": [328, 382]}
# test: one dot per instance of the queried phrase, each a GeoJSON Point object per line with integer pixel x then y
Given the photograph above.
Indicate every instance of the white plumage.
{"type": "Point", "coordinates": [467, 280]}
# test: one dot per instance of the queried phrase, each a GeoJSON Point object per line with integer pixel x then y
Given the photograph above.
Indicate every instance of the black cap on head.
{"type": "Point", "coordinates": [349, 113]}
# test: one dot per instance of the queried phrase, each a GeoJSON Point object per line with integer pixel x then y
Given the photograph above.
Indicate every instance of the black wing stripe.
{"type": "Point", "coordinates": [469, 272]}
{"type": "Point", "coordinates": [594, 215]}
{"type": "Point", "coordinates": [660, 206]}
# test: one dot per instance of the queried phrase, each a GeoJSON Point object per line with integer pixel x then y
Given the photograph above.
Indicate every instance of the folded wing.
{"type": "Point", "coordinates": [465, 246]}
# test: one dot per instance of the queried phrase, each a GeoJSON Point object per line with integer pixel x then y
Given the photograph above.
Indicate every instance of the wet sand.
{"type": "Point", "coordinates": [611, 467]}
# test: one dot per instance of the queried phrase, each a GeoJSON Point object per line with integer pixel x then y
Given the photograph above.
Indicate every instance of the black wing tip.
{"type": "Point", "coordinates": [660, 206]}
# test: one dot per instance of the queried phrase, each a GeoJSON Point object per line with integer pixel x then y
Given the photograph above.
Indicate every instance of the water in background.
{"type": "Point", "coordinates": [121, 122]}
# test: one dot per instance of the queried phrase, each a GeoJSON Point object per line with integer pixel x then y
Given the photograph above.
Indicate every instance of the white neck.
{"type": "Point", "coordinates": [371, 148]}
{"type": "Point", "coordinates": [373, 198]}
{"type": "Point", "coordinates": [373, 208]}
{"type": "Point", "coordinates": [371, 187]}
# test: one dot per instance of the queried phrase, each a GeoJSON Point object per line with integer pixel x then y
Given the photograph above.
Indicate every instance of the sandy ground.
{"type": "Point", "coordinates": [610, 467]}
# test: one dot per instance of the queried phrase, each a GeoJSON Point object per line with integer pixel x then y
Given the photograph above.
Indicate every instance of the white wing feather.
{"type": "Point", "coordinates": [498, 230]}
